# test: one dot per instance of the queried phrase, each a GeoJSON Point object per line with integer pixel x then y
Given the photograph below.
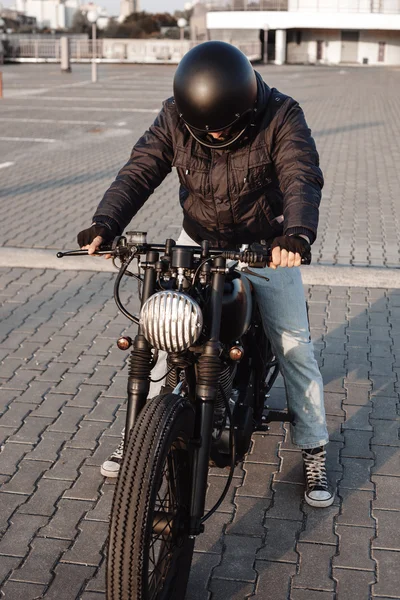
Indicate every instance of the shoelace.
{"type": "Point", "coordinates": [315, 469]}
{"type": "Point", "coordinates": [119, 452]}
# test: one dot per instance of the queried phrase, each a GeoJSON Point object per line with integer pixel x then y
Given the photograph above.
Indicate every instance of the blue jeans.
{"type": "Point", "coordinates": [284, 315]}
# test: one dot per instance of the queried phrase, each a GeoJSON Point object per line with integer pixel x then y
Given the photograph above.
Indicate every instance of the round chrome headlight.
{"type": "Point", "coordinates": [171, 321]}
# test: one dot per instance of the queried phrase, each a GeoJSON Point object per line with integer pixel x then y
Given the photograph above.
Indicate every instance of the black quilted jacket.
{"type": "Point", "coordinates": [267, 184]}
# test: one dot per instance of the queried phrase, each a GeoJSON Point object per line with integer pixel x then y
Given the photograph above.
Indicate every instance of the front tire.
{"type": "Point", "coordinates": [150, 552]}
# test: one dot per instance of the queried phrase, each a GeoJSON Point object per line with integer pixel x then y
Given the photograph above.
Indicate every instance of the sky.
{"type": "Point", "coordinates": [112, 6]}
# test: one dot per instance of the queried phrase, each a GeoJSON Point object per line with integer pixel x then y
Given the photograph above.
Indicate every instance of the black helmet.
{"type": "Point", "coordinates": [215, 88]}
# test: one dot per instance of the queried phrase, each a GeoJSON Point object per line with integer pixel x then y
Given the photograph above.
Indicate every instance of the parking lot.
{"type": "Point", "coordinates": [63, 381]}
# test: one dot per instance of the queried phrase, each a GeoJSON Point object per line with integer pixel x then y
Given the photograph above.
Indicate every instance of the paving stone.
{"type": "Point", "coordinates": [68, 581]}
{"type": "Point", "coordinates": [298, 594]}
{"type": "Point", "coordinates": [357, 474]}
{"type": "Point", "coordinates": [274, 576]}
{"type": "Point", "coordinates": [387, 492]}
{"type": "Point", "coordinates": [19, 534]}
{"type": "Point", "coordinates": [200, 573]}
{"type": "Point", "coordinates": [87, 435]}
{"type": "Point", "coordinates": [43, 557]}
{"type": "Point", "coordinates": [30, 430]}
{"type": "Point", "coordinates": [264, 449]}
{"type": "Point", "coordinates": [315, 566]}
{"type": "Point", "coordinates": [280, 541]}
{"type": "Point", "coordinates": [291, 469]}
{"type": "Point", "coordinates": [86, 364]}
{"type": "Point", "coordinates": [257, 480]}
{"type": "Point", "coordinates": [357, 394]}
{"type": "Point", "coordinates": [101, 346]}
{"type": "Point", "coordinates": [67, 464]}
{"type": "Point", "coordinates": [333, 404]}
{"type": "Point", "coordinates": [26, 477]}
{"type": "Point", "coordinates": [357, 444]}
{"type": "Point", "coordinates": [386, 433]}
{"type": "Point", "coordinates": [102, 509]}
{"type": "Point", "coordinates": [238, 558]}
{"type": "Point", "coordinates": [388, 573]}
{"type": "Point", "coordinates": [54, 372]}
{"type": "Point", "coordinates": [70, 384]}
{"type": "Point", "coordinates": [117, 388]}
{"type": "Point", "coordinates": [49, 446]}
{"type": "Point", "coordinates": [221, 589]}
{"type": "Point", "coordinates": [11, 454]}
{"type": "Point", "coordinates": [384, 408]}
{"type": "Point", "coordinates": [357, 418]}
{"type": "Point", "coordinates": [354, 548]}
{"type": "Point", "coordinates": [43, 501]}
{"type": "Point", "coordinates": [51, 406]}
{"type": "Point", "coordinates": [102, 376]}
{"type": "Point", "coordinates": [8, 564]}
{"type": "Point", "coordinates": [104, 410]}
{"type": "Point", "coordinates": [334, 425]}
{"type": "Point", "coordinates": [65, 521]}
{"type": "Point", "coordinates": [98, 583]}
{"type": "Point", "coordinates": [356, 508]}
{"type": "Point", "coordinates": [87, 396]}
{"type": "Point", "coordinates": [16, 414]}
{"type": "Point", "coordinates": [386, 461]}
{"type": "Point", "coordinates": [86, 487]}
{"type": "Point", "coordinates": [86, 549]}
{"type": "Point", "coordinates": [10, 366]}
{"type": "Point", "coordinates": [353, 584]}
{"type": "Point", "coordinates": [20, 380]}
{"type": "Point", "coordinates": [319, 527]}
{"type": "Point", "coordinates": [287, 500]}
{"type": "Point", "coordinates": [383, 386]}
{"type": "Point", "coordinates": [15, 590]}
{"type": "Point", "coordinates": [35, 392]}
{"type": "Point", "coordinates": [215, 489]}
{"type": "Point", "coordinates": [68, 420]}
{"type": "Point", "coordinates": [249, 516]}
{"type": "Point", "coordinates": [388, 530]}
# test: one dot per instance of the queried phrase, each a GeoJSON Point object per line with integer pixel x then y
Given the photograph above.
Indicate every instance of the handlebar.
{"type": "Point", "coordinates": [121, 249]}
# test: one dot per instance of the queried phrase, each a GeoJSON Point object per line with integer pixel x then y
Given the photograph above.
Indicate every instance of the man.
{"type": "Point", "coordinates": [249, 172]}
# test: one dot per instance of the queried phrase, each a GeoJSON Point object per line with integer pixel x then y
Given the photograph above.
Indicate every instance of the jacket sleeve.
{"type": "Point", "coordinates": [149, 164]}
{"type": "Point", "coordinates": [296, 162]}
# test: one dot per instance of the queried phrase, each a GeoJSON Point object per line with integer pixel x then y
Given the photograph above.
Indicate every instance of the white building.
{"type": "Point", "coordinates": [313, 31]}
{"type": "Point", "coordinates": [55, 14]}
{"type": "Point", "coordinates": [127, 7]}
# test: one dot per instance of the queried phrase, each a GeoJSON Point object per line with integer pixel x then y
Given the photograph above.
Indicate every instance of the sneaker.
{"type": "Point", "coordinates": [111, 466]}
{"type": "Point", "coordinates": [317, 491]}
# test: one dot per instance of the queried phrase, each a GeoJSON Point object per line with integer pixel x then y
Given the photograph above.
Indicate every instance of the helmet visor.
{"type": "Point", "coordinates": [227, 136]}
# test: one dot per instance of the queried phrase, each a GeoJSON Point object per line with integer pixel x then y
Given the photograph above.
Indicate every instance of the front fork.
{"type": "Point", "coordinates": [208, 373]}
{"type": "Point", "coordinates": [140, 361]}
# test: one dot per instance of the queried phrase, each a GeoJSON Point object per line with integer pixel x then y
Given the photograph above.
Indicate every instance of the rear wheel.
{"type": "Point", "coordinates": [150, 552]}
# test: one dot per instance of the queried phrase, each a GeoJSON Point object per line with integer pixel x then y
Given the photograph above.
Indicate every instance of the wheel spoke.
{"type": "Point", "coordinates": [166, 507]}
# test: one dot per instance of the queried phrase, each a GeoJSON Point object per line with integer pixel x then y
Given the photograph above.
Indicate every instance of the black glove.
{"type": "Point", "coordinates": [292, 243]}
{"type": "Point", "coordinates": [87, 236]}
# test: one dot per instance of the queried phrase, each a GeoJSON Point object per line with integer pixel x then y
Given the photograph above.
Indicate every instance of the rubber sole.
{"type": "Point", "coordinates": [319, 503]}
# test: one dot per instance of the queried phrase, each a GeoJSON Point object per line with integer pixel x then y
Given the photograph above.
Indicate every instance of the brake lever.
{"type": "Point", "coordinates": [83, 253]}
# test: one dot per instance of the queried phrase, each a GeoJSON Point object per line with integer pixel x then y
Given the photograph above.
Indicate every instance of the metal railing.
{"type": "Point", "coordinates": [113, 50]}
{"type": "Point", "coordinates": [332, 6]}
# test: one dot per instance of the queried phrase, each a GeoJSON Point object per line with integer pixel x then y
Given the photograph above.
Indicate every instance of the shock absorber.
{"type": "Point", "coordinates": [140, 364]}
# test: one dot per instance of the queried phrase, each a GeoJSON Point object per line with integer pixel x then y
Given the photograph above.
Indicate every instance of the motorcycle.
{"type": "Point", "coordinates": [200, 310]}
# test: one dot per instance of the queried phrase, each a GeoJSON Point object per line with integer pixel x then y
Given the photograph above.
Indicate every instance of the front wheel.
{"type": "Point", "coordinates": [150, 552]}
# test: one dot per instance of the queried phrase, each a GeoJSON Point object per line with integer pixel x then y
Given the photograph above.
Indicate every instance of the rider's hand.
{"type": "Point", "coordinates": [288, 250]}
{"type": "Point", "coordinates": [92, 238]}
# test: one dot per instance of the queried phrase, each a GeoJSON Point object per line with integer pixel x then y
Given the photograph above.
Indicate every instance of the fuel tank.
{"type": "Point", "coordinates": [237, 309]}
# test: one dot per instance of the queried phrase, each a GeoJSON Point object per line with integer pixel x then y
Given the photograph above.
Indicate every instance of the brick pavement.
{"type": "Point", "coordinates": [62, 408]}
{"type": "Point", "coordinates": [63, 383]}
